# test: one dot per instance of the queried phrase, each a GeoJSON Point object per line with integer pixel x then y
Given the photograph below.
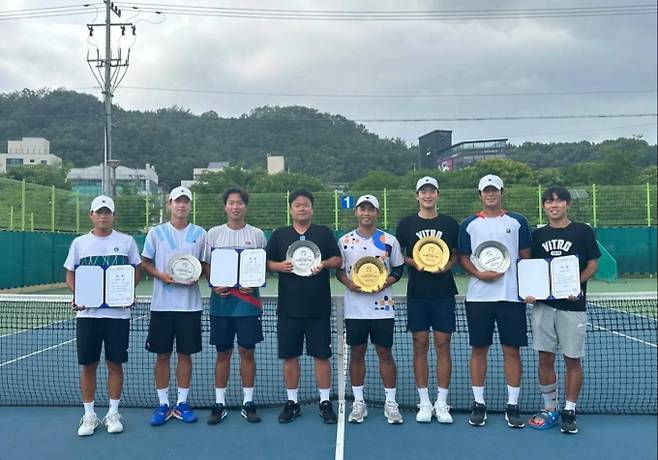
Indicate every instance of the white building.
{"type": "Point", "coordinates": [213, 166]}
{"type": "Point", "coordinates": [87, 181]}
{"type": "Point", "coordinates": [28, 151]}
{"type": "Point", "coordinates": [276, 164]}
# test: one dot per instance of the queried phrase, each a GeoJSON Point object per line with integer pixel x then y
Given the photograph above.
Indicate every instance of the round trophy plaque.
{"type": "Point", "coordinates": [431, 253]}
{"type": "Point", "coordinates": [491, 256]}
{"type": "Point", "coordinates": [369, 273]}
{"type": "Point", "coordinates": [304, 255]}
{"type": "Point", "coordinates": [184, 268]}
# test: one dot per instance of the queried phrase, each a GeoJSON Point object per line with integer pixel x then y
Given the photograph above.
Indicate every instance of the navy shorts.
{"type": "Point", "coordinates": [223, 330]}
{"type": "Point", "coordinates": [510, 317]}
{"type": "Point", "coordinates": [379, 330]}
{"type": "Point", "coordinates": [91, 333]}
{"type": "Point", "coordinates": [165, 326]}
{"type": "Point", "coordinates": [437, 314]}
{"type": "Point", "coordinates": [292, 332]}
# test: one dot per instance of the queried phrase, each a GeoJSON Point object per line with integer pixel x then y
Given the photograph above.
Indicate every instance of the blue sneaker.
{"type": "Point", "coordinates": [161, 414]}
{"type": "Point", "coordinates": [182, 411]}
{"type": "Point", "coordinates": [544, 419]}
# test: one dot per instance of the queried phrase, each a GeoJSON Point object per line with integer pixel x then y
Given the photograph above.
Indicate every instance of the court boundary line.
{"type": "Point", "coordinates": [36, 328]}
{"type": "Point", "coordinates": [629, 337]}
{"type": "Point", "coordinates": [34, 353]}
{"type": "Point", "coordinates": [342, 369]}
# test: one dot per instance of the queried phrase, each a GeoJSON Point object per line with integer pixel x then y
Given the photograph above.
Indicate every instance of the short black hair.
{"type": "Point", "coordinates": [556, 190]}
{"type": "Point", "coordinates": [301, 192]}
{"type": "Point", "coordinates": [244, 195]}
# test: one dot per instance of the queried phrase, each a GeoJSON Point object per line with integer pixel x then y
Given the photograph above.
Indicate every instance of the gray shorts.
{"type": "Point", "coordinates": [551, 327]}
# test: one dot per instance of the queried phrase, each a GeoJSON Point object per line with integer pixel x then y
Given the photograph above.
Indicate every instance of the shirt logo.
{"type": "Point", "coordinates": [429, 232]}
{"type": "Point", "coordinates": [116, 249]}
{"type": "Point", "coordinates": [557, 247]}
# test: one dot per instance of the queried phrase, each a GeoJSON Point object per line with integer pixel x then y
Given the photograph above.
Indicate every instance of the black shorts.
{"type": "Point", "coordinates": [184, 326]}
{"type": "Point", "coordinates": [510, 317]}
{"type": "Point", "coordinates": [223, 330]}
{"type": "Point", "coordinates": [379, 330]}
{"type": "Point", "coordinates": [438, 314]}
{"type": "Point", "coordinates": [91, 333]}
{"type": "Point", "coordinates": [292, 331]}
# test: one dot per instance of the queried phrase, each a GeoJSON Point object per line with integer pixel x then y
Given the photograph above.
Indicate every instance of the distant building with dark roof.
{"type": "Point", "coordinates": [435, 150]}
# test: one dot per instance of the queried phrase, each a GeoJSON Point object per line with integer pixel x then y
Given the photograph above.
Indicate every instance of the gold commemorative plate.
{"type": "Point", "coordinates": [369, 273]}
{"type": "Point", "coordinates": [431, 253]}
{"type": "Point", "coordinates": [491, 256]}
{"type": "Point", "coordinates": [184, 268]}
{"type": "Point", "coordinates": [304, 255]}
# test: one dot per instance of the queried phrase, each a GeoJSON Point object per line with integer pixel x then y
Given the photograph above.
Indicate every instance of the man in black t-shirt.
{"type": "Point", "coordinates": [561, 322]}
{"type": "Point", "coordinates": [304, 304]}
{"type": "Point", "coordinates": [430, 298]}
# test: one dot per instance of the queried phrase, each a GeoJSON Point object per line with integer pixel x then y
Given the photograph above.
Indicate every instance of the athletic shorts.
{"type": "Point", "coordinates": [223, 330]}
{"type": "Point", "coordinates": [291, 333]}
{"type": "Point", "coordinates": [551, 326]}
{"type": "Point", "coordinates": [379, 330]}
{"type": "Point", "coordinates": [510, 317]}
{"type": "Point", "coordinates": [165, 326]}
{"type": "Point", "coordinates": [92, 333]}
{"type": "Point", "coordinates": [437, 314]}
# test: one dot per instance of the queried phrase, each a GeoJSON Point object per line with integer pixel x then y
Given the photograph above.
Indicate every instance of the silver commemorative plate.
{"type": "Point", "coordinates": [304, 255]}
{"type": "Point", "coordinates": [491, 256]}
{"type": "Point", "coordinates": [184, 268]}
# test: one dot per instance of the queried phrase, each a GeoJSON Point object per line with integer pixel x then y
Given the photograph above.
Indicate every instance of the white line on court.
{"type": "Point", "coordinates": [11, 361]}
{"type": "Point", "coordinates": [342, 370]}
{"type": "Point", "coordinates": [35, 328]}
{"type": "Point", "coordinates": [629, 337]}
{"type": "Point", "coordinates": [626, 312]}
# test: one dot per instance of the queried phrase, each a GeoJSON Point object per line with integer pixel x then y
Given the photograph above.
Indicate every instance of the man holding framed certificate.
{"type": "Point", "coordinates": [490, 243]}
{"type": "Point", "coordinates": [302, 255]}
{"type": "Point", "coordinates": [172, 256]}
{"type": "Point", "coordinates": [102, 248]}
{"type": "Point", "coordinates": [234, 309]}
{"type": "Point", "coordinates": [561, 322]}
{"type": "Point", "coordinates": [370, 312]}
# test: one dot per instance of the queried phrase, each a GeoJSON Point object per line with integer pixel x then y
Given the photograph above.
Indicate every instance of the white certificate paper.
{"type": "Point", "coordinates": [119, 285]}
{"type": "Point", "coordinates": [224, 267]}
{"type": "Point", "coordinates": [565, 277]}
{"type": "Point", "coordinates": [89, 286]}
{"type": "Point", "coordinates": [252, 268]}
{"type": "Point", "coordinates": [533, 275]}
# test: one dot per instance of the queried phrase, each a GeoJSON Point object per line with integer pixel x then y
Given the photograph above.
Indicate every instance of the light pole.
{"type": "Point", "coordinates": [114, 164]}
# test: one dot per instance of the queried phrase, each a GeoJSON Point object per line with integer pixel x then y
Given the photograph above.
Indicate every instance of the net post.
{"type": "Point", "coordinates": [77, 212]}
{"type": "Point", "coordinates": [648, 205]}
{"type": "Point", "coordinates": [594, 223]}
{"type": "Point", "coordinates": [194, 208]}
{"type": "Point", "coordinates": [336, 210]}
{"type": "Point", "coordinates": [287, 213]}
{"type": "Point", "coordinates": [52, 208]}
{"type": "Point", "coordinates": [385, 211]}
{"type": "Point", "coordinates": [23, 205]}
{"type": "Point", "coordinates": [540, 205]}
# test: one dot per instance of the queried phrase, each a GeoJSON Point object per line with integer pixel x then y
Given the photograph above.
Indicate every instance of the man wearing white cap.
{"type": "Point", "coordinates": [97, 326]}
{"type": "Point", "coordinates": [175, 306]}
{"type": "Point", "coordinates": [370, 314]}
{"type": "Point", "coordinates": [430, 298]}
{"type": "Point", "coordinates": [492, 297]}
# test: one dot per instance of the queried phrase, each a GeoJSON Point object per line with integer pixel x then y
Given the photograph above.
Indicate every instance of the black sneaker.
{"type": "Point", "coordinates": [568, 422]}
{"type": "Point", "coordinates": [290, 411]}
{"type": "Point", "coordinates": [249, 412]}
{"type": "Point", "coordinates": [512, 416]}
{"type": "Point", "coordinates": [217, 414]}
{"type": "Point", "coordinates": [478, 415]}
{"type": "Point", "coordinates": [327, 412]}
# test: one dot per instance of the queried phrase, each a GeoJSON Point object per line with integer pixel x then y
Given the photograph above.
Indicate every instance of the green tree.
{"type": "Point", "coordinates": [40, 174]}
{"type": "Point", "coordinates": [282, 182]}
{"type": "Point", "coordinates": [378, 180]}
{"type": "Point", "coordinates": [217, 182]}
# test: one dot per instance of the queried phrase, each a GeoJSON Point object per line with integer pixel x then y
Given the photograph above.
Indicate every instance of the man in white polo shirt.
{"type": "Point", "coordinates": [97, 326]}
{"type": "Point", "coordinates": [175, 308]}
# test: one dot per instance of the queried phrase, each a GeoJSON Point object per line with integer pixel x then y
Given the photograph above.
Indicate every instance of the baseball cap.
{"type": "Point", "coordinates": [490, 179]}
{"type": "Point", "coordinates": [368, 199]}
{"type": "Point", "coordinates": [102, 201]}
{"type": "Point", "coordinates": [427, 180]}
{"type": "Point", "coordinates": [179, 192]}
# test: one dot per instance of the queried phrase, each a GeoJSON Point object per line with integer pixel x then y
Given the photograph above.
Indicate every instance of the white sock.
{"type": "Point", "coordinates": [182, 395]}
{"type": "Point", "coordinates": [114, 406]}
{"type": "Point", "coordinates": [424, 396]}
{"type": "Point", "coordinates": [442, 396]}
{"type": "Point", "coordinates": [292, 394]}
{"type": "Point", "coordinates": [569, 405]}
{"type": "Point", "coordinates": [89, 408]}
{"type": "Point", "coordinates": [390, 394]}
{"type": "Point", "coordinates": [220, 395]}
{"type": "Point", "coordinates": [163, 396]}
{"type": "Point", "coordinates": [549, 393]}
{"type": "Point", "coordinates": [358, 393]}
{"type": "Point", "coordinates": [513, 395]}
{"type": "Point", "coordinates": [324, 394]}
{"type": "Point", "coordinates": [248, 395]}
{"type": "Point", "coordinates": [478, 394]}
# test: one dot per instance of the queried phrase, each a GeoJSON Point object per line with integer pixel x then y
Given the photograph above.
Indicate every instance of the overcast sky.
{"type": "Point", "coordinates": [440, 68]}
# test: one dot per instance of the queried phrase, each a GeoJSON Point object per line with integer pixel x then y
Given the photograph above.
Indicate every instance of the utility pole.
{"type": "Point", "coordinates": [108, 72]}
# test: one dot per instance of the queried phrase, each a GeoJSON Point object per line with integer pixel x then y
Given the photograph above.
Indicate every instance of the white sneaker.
{"type": "Point", "coordinates": [392, 413]}
{"type": "Point", "coordinates": [359, 412]}
{"type": "Point", "coordinates": [424, 414]}
{"type": "Point", "coordinates": [442, 413]}
{"type": "Point", "coordinates": [113, 423]}
{"type": "Point", "coordinates": [88, 424]}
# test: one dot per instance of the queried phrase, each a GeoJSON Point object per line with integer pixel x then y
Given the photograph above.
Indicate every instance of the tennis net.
{"type": "Point", "coordinates": [38, 363]}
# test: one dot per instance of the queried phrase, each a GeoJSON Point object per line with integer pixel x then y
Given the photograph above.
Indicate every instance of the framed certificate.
{"type": "Point", "coordinates": [555, 278]}
{"type": "Point", "coordinates": [236, 267]}
{"type": "Point", "coordinates": [107, 286]}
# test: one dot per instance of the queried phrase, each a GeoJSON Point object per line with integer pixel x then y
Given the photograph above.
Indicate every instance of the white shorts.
{"type": "Point", "coordinates": [551, 326]}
